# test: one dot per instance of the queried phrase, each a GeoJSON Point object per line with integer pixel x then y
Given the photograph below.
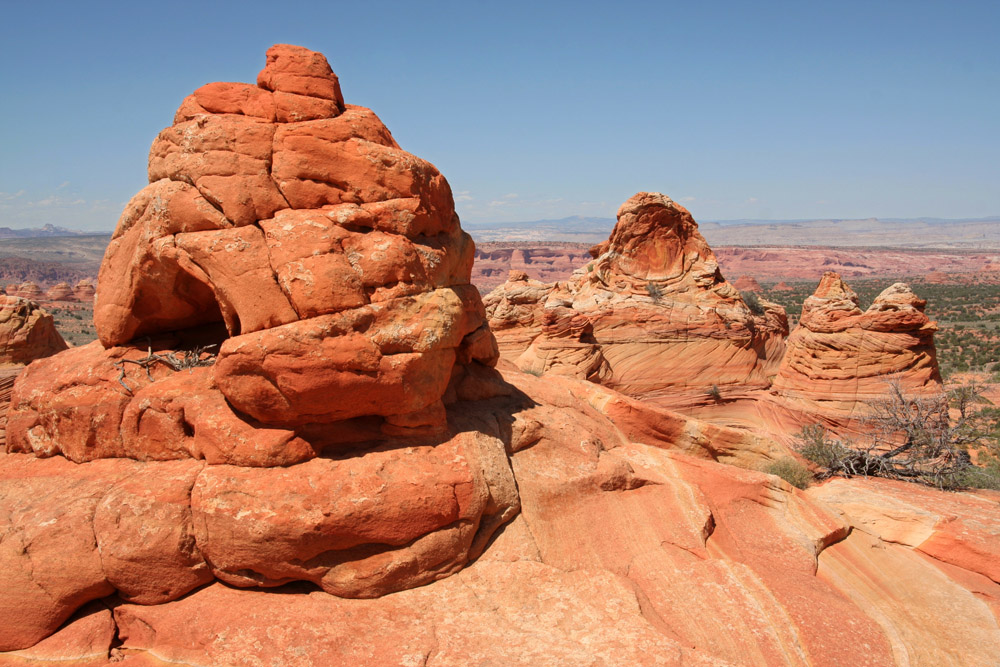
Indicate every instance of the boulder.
{"type": "Point", "coordinates": [26, 332]}
{"type": "Point", "coordinates": [319, 269]}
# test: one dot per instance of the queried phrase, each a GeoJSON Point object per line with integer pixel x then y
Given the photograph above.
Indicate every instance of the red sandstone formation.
{"type": "Point", "coordinates": [782, 287]}
{"type": "Point", "coordinates": [151, 515]}
{"type": "Point", "coordinates": [748, 284]}
{"type": "Point", "coordinates": [84, 291]}
{"type": "Point", "coordinates": [26, 290]}
{"type": "Point", "coordinates": [547, 262]}
{"type": "Point", "coordinates": [290, 282]}
{"type": "Point", "coordinates": [26, 332]}
{"type": "Point", "coordinates": [840, 357]}
{"type": "Point", "coordinates": [651, 316]}
{"type": "Point", "coordinates": [60, 292]}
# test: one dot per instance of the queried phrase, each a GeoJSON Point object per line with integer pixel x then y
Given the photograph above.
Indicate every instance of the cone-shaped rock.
{"type": "Point", "coordinates": [651, 316]}
{"type": "Point", "coordinates": [840, 357]}
{"type": "Point", "coordinates": [289, 282]}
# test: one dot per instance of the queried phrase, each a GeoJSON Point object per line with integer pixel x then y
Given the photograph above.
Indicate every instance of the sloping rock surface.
{"type": "Point", "coordinates": [621, 550]}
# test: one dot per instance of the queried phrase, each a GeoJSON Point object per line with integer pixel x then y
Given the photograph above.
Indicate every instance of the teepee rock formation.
{"type": "Point", "coordinates": [290, 283]}
{"type": "Point", "coordinates": [840, 357]}
{"type": "Point", "coordinates": [651, 316]}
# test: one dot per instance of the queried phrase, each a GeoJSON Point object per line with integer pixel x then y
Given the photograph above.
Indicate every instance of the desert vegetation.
{"type": "Point", "coordinates": [950, 441]}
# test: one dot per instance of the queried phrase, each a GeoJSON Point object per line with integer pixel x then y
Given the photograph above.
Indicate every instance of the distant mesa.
{"type": "Point", "coordinates": [782, 287]}
{"type": "Point", "coordinates": [651, 315]}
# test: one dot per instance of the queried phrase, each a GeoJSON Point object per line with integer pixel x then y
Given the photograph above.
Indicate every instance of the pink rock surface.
{"type": "Point", "coordinates": [60, 292]}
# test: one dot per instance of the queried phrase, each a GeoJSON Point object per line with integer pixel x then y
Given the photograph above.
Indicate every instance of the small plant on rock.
{"type": "Point", "coordinates": [655, 292]}
{"type": "Point", "coordinates": [753, 303]}
{"type": "Point", "coordinates": [791, 471]}
{"type": "Point", "coordinates": [926, 439]}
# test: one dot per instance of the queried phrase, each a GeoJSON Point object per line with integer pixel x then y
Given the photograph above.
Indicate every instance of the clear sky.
{"type": "Point", "coordinates": [540, 109]}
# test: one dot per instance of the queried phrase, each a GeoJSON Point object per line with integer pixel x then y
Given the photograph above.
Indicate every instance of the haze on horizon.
{"type": "Point", "coordinates": [777, 110]}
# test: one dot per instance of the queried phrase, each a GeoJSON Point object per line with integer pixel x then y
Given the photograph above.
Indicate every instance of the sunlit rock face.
{"type": "Point", "coordinates": [283, 312]}
{"type": "Point", "coordinates": [26, 332]}
{"type": "Point", "coordinates": [650, 316]}
{"type": "Point", "coordinates": [839, 357]}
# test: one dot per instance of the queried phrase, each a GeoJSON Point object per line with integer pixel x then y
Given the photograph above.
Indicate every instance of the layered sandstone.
{"type": "Point", "coordinates": [839, 357]}
{"type": "Point", "coordinates": [60, 292]}
{"type": "Point", "coordinates": [26, 332]}
{"type": "Point", "coordinates": [651, 316]}
{"type": "Point", "coordinates": [631, 543]}
{"type": "Point", "coordinates": [84, 291]}
{"type": "Point", "coordinates": [26, 290]}
{"type": "Point", "coordinates": [290, 284]}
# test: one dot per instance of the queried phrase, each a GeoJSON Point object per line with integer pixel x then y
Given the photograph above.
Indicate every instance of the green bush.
{"type": "Point", "coordinates": [654, 292]}
{"type": "Point", "coordinates": [753, 303]}
{"type": "Point", "coordinates": [791, 471]}
{"type": "Point", "coordinates": [815, 446]}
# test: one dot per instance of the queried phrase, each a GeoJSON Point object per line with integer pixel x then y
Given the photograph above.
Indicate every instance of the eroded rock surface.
{"type": "Point", "coordinates": [26, 332]}
{"type": "Point", "coordinates": [288, 340]}
{"type": "Point", "coordinates": [651, 316]}
{"type": "Point", "coordinates": [840, 357]}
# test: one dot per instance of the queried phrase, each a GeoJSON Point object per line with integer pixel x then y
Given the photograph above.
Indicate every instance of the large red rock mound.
{"type": "Point", "coordinates": [291, 283]}
{"type": "Point", "coordinates": [839, 358]}
{"type": "Point", "coordinates": [26, 332]}
{"type": "Point", "coordinates": [650, 316]}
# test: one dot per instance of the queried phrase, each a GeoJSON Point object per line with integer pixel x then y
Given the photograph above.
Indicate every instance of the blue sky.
{"type": "Point", "coordinates": [541, 110]}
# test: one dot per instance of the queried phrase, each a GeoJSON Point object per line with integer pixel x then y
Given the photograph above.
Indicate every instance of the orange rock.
{"type": "Point", "coordinates": [60, 292]}
{"type": "Point", "coordinates": [748, 284]}
{"type": "Point", "coordinates": [839, 358]}
{"type": "Point", "coordinates": [49, 556]}
{"type": "Point", "coordinates": [85, 640]}
{"type": "Point", "coordinates": [651, 316]}
{"type": "Point", "coordinates": [293, 69]}
{"type": "Point", "coordinates": [26, 332]}
{"type": "Point", "coordinates": [84, 291]}
{"type": "Point", "coordinates": [26, 290]}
